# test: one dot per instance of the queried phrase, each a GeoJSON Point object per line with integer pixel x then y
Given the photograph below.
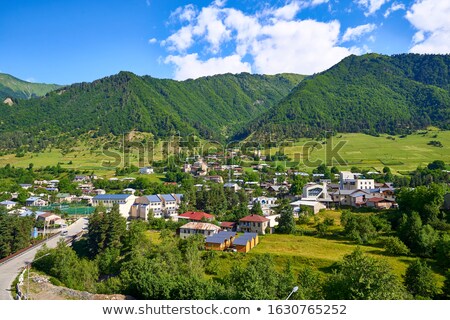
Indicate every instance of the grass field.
{"type": "Point", "coordinates": [360, 150]}
{"type": "Point", "coordinates": [369, 152]}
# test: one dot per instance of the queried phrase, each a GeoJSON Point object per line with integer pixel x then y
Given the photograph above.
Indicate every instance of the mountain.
{"type": "Point", "coordinates": [13, 88]}
{"type": "Point", "coordinates": [212, 107]}
{"type": "Point", "coordinates": [370, 93]}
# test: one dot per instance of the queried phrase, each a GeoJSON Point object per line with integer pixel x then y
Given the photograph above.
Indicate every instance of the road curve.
{"type": "Point", "coordinates": [11, 269]}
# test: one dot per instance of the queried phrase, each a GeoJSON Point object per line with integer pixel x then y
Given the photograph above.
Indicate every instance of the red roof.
{"type": "Point", "coordinates": [197, 215]}
{"type": "Point", "coordinates": [377, 199]}
{"type": "Point", "coordinates": [227, 224]}
{"type": "Point", "coordinates": [254, 218]}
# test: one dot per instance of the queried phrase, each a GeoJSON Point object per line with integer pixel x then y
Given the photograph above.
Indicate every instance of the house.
{"type": "Point", "coordinates": [352, 181]}
{"type": "Point", "coordinates": [129, 190]}
{"type": "Point", "coordinates": [80, 178]}
{"type": "Point", "coordinates": [220, 241]}
{"type": "Point", "coordinates": [25, 186]}
{"type": "Point", "coordinates": [216, 179]}
{"type": "Point", "coordinates": [99, 191]}
{"type": "Point", "coordinates": [380, 203]}
{"type": "Point", "coordinates": [354, 198]}
{"type": "Point", "coordinates": [8, 204]}
{"type": "Point", "coordinates": [232, 186]}
{"type": "Point", "coordinates": [35, 202]}
{"type": "Point", "coordinates": [161, 206]}
{"type": "Point", "coordinates": [267, 204]}
{"type": "Point", "coordinates": [203, 228]}
{"type": "Point", "coordinates": [253, 223]}
{"type": "Point", "coordinates": [64, 197]}
{"type": "Point", "coordinates": [196, 216]}
{"type": "Point", "coordinates": [228, 226]}
{"type": "Point", "coordinates": [146, 170]}
{"type": "Point", "coordinates": [315, 206]}
{"type": "Point", "coordinates": [87, 199]}
{"type": "Point", "coordinates": [125, 201]}
{"type": "Point", "coordinates": [49, 218]}
{"type": "Point", "coordinates": [246, 242]}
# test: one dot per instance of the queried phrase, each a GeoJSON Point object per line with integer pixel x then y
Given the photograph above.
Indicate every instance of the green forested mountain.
{"type": "Point", "coordinates": [370, 93]}
{"type": "Point", "coordinates": [11, 87]}
{"type": "Point", "coordinates": [209, 106]}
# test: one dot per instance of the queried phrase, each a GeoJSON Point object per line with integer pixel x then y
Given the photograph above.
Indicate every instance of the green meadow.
{"type": "Point", "coordinates": [360, 150]}
{"type": "Point", "coordinates": [369, 152]}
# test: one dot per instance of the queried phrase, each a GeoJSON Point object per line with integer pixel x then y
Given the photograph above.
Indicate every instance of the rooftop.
{"type": "Point", "coordinates": [196, 215]}
{"type": "Point", "coordinates": [102, 197]}
{"type": "Point", "coordinates": [254, 218]}
{"type": "Point", "coordinates": [200, 226]}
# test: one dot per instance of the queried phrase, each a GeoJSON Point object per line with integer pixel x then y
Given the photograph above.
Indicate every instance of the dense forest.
{"type": "Point", "coordinates": [210, 107]}
{"type": "Point", "coordinates": [11, 87]}
{"type": "Point", "coordinates": [370, 93]}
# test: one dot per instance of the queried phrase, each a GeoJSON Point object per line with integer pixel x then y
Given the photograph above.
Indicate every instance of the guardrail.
{"type": "Point", "coordinates": [25, 250]}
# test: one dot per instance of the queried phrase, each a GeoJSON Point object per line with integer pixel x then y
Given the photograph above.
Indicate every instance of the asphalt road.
{"type": "Point", "coordinates": [11, 269]}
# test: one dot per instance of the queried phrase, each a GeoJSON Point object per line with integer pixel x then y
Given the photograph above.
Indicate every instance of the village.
{"type": "Point", "coordinates": [318, 192]}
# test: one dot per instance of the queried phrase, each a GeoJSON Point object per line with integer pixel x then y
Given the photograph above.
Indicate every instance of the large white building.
{"type": "Point", "coordinates": [352, 181]}
{"type": "Point", "coordinates": [125, 201]}
{"type": "Point", "coordinates": [161, 205]}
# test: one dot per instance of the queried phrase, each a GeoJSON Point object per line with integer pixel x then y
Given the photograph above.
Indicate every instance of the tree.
{"type": "Point", "coordinates": [358, 227]}
{"type": "Point", "coordinates": [322, 227]}
{"type": "Point", "coordinates": [286, 223]}
{"type": "Point", "coordinates": [297, 184]}
{"type": "Point", "coordinates": [446, 288]}
{"type": "Point", "coordinates": [395, 247]}
{"type": "Point", "coordinates": [419, 280]}
{"type": "Point", "coordinates": [106, 229]}
{"type": "Point", "coordinates": [256, 208]}
{"type": "Point", "coordinates": [361, 277]}
{"type": "Point", "coordinates": [310, 285]}
{"type": "Point", "coordinates": [437, 165]}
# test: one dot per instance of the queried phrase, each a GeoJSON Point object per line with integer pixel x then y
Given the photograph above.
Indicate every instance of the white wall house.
{"type": "Point", "coordinates": [162, 206]}
{"type": "Point", "coordinates": [125, 201]}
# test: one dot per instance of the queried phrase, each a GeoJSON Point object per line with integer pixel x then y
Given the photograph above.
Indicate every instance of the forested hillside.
{"type": "Point", "coordinates": [210, 106]}
{"type": "Point", "coordinates": [11, 87]}
{"type": "Point", "coordinates": [371, 94]}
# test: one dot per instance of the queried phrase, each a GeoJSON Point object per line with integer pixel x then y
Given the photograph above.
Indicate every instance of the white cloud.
{"type": "Point", "coordinates": [394, 7]}
{"type": "Point", "coordinates": [317, 2]}
{"type": "Point", "coordinates": [186, 13]}
{"type": "Point", "coordinates": [355, 33]}
{"type": "Point", "coordinates": [152, 40]}
{"type": "Point", "coordinates": [430, 18]}
{"type": "Point", "coordinates": [189, 66]}
{"type": "Point", "coordinates": [288, 12]}
{"type": "Point", "coordinates": [219, 39]}
{"type": "Point", "coordinates": [371, 6]}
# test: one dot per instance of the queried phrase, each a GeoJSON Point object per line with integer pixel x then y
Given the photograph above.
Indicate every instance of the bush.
{"type": "Point", "coordinates": [395, 247]}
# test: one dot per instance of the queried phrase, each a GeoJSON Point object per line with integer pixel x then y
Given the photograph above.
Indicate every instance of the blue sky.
{"type": "Point", "coordinates": [67, 41]}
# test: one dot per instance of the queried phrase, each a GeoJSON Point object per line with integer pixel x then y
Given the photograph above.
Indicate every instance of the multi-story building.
{"type": "Point", "coordinates": [125, 201]}
{"type": "Point", "coordinates": [161, 206]}
{"type": "Point", "coordinates": [352, 181]}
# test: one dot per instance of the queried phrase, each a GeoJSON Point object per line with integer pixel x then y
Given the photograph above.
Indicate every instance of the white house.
{"type": "Point", "coordinates": [8, 204]}
{"type": "Point", "coordinates": [352, 181]}
{"type": "Point", "coordinates": [314, 205]}
{"type": "Point", "coordinates": [146, 170]}
{"type": "Point", "coordinates": [35, 202]}
{"type": "Point", "coordinates": [232, 185]}
{"type": "Point", "coordinates": [162, 206]}
{"type": "Point", "coordinates": [125, 201]}
{"type": "Point", "coordinates": [203, 228]}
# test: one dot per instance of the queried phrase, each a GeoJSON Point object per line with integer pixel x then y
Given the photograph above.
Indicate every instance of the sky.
{"type": "Point", "coordinates": [68, 41]}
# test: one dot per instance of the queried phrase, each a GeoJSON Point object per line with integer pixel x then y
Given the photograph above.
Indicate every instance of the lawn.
{"type": "Point", "coordinates": [364, 151]}
{"type": "Point", "coordinates": [369, 152]}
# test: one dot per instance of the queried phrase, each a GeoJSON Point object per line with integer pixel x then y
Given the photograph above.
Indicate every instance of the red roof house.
{"type": "Point", "coordinates": [196, 216]}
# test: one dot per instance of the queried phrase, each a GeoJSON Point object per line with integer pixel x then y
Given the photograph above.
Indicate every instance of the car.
{"type": "Point", "coordinates": [64, 233]}
{"type": "Point", "coordinates": [231, 250]}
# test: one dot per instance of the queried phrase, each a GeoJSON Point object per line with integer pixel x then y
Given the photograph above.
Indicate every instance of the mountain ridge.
{"type": "Point", "coordinates": [15, 88]}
